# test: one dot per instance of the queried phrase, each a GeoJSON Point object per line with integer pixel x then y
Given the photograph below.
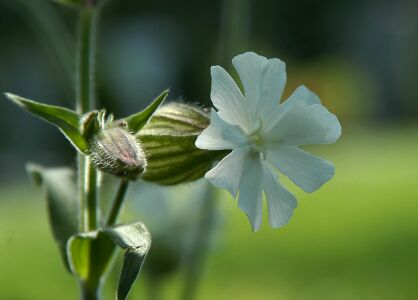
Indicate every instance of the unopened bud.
{"type": "Point", "coordinates": [116, 151]}
{"type": "Point", "coordinates": [169, 143]}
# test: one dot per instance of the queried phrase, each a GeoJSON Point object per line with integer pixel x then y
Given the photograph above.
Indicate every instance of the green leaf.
{"type": "Point", "coordinates": [136, 240]}
{"type": "Point", "coordinates": [137, 121]}
{"type": "Point", "coordinates": [67, 121]}
{"type": "Point", "coordinates": [91, 252]}
{"type": "Point", "coordinates": [61, 193]}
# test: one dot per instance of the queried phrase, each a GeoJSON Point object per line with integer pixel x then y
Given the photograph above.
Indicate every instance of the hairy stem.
{"type": "Point", "coordinates": [85, 92]}
{"type": "Point", "coordinates": [86, 60]}
{"type": "Point", "coordinates": [117, 202]}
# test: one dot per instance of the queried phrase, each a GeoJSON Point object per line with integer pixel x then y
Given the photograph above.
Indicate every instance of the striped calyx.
{"type": "Point", "coordinates": [168, 140]}
{"type": "Point", "coordinates": [116, 151]}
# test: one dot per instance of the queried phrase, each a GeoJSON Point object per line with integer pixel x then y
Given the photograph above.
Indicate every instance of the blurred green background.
{"type": "Point", "coordinates": [356, 238]}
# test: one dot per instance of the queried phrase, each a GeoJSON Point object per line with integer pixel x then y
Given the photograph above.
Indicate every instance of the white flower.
{"type": "Point", "coordinates": [264, 135]}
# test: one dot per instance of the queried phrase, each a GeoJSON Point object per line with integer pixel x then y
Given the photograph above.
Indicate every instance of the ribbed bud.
{"type": "Point", "coordinates": [116, 151]}
{"type": "Point", "coordinates": [169, 143]}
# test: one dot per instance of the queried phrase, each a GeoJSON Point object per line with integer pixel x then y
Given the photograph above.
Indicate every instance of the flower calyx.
{"type": "Point", "coordinates": [169, 143]}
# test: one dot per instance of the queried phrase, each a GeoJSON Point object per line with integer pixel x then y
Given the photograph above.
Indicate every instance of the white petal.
{"type": "Point", "coordinates": [301, 94]}
{"type": "Point", "coordinates": [250, 193]}
{"type": "Point", "coordinates": [220, 135]}
{"type": "Point", "coordinates": [304, 169]}
{"type": "Point", "coordinates": [280, 202]}
{"type": "Point", "coordinates": [227, 173]}
{"type": "Point", "coordinates": [250, 68]}
{"type": "Point", "coordinates": [274, 81]}
{"type": "Point", "coordinates": [227, 98]}
{"type": "Point", "coordinates": [305, 124]}
{"type": "Point", "coordinates": [263, 80]}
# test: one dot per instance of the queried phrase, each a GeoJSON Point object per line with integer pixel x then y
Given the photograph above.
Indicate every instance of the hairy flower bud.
{"type": "Point", "coordinates": [116, 151]}
{"type": "Point", "coordinates": [169, 143]}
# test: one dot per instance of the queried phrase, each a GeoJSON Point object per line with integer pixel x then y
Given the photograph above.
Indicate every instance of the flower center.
{"type": "Point", "coordinates": [256, 142]}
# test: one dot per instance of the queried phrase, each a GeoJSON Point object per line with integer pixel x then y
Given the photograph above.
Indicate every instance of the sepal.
{"type": "Point", "coordinates": [138, 120]}
{"type": "Point", "coordinates": [169, 144]}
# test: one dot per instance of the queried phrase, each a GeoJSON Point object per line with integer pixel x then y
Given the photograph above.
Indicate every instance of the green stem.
{"type": "Point", "coordinates": [81, 162]}
{"type": "Point", "coordinates": [200, 246]}
{"type": "Point", "coordinates": [91, 195]}
{"type": "Point", "coordinates": [88, 293]}
{"type": "Point", "coordinates": [87, 181]}
{"type": "Point", "coordinates": [86, 60]}
{"type": "Point", "coordinates": [85, 94]}
{"type": "Point", "coordinates": [117, 203]}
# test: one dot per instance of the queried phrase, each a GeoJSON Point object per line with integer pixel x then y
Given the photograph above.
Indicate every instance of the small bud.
{"type": "Point", "coordinates": [169, 143]}
{"type": "Point", "coordinates": [89, 124]}
{"type": "Point", "coordinates": [116, 151]}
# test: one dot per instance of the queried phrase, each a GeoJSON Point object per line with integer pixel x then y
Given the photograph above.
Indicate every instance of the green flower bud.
{"type": "Point", "coordinates": [116, 151]}
{"type": "Point", "coordinates": [169, 143]}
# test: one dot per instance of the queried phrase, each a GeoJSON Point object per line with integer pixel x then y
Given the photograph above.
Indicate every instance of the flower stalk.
{"type": "Point", "coordinates": [117, 203]}
{"type": "Point", "coordinates": [90, 191]}
{"type": "Point", "coordinates": [88, 293]}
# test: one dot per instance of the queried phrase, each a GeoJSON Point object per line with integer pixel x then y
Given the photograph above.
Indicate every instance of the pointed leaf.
{"type": "Point", "coordinates": [91, 252]}
{"type": "Point", "coordinates": [67, 121]}
{"type": "Point", "coordinates": [137, 121]}
{"type": "Point", "coordinates": [61, 192]}
{"type": "Point", "coordinates": [136, 239]}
